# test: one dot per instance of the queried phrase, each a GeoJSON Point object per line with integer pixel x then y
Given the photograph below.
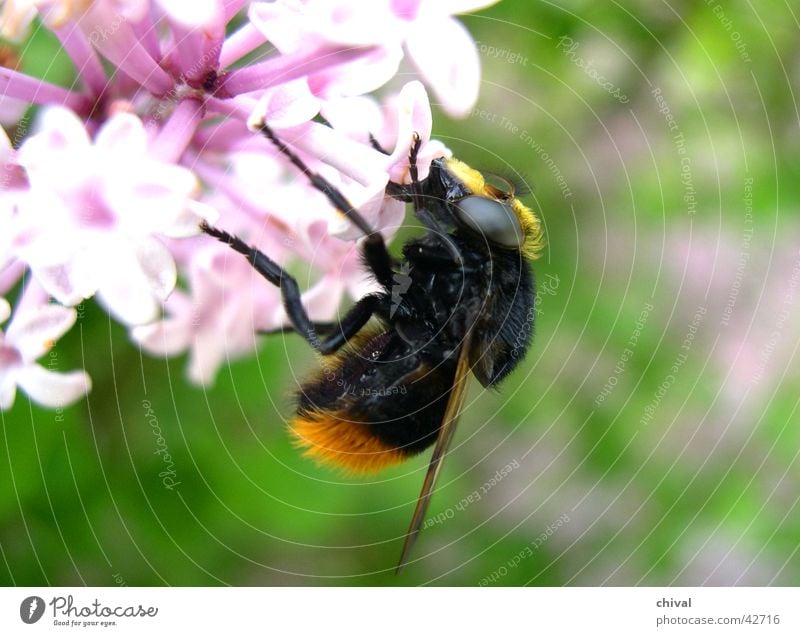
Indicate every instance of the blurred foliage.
{"type": "Point", "coordinates": [703, 492]}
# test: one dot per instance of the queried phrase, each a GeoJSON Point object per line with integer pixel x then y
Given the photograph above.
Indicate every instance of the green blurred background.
{"type": "Point", "coordinates": [651, 436]}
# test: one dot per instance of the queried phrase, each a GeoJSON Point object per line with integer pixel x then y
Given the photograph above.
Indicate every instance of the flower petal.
{"type": "Point", "coordinates": [463, 6]}
{"type": "Point", "coordinates": [290, 104]}
{"type": "Point", "coordinates": [368, 200]}
{"type": "Point", "coordinates": [356, 117]}
{"type": "Point", "coordinates": [413, 116]}
{"type": "Point", "coordinates": [16, 19]}
{"type": "Point", "coordinates": [62, 128]}
{"type": "Point", "coordinates": [52, 389]}
{"type": "Point", "coordinates": [195, 14]}
{"type": "Point", "coordinates": [46, 233]}
{"type": "Point", "coordinates": [34, 332]}
{"type": "Point", "coordinates": [208, 352]}
{"type": "Point", "coordinates": [129, 302]}
{"type": "Point", "coordinates": [134, 277]}
{"type": "Point", "coordinates": [415, 110]}
{"type": "Point", "coordinates": [167, 337]}
{"type": "Point", "coordinates": [290, 26]}
{"type": "Point", "coordinates": [10, 273]}
{"type": "Point", "coordinates": [363, 75]}
{"type": "Point", "coordinates": [358, 161]}
{"type": "Point", "coordinates": [123, 134]}
{"type": "Point", "coordinates": [278, 23]}
{"type": "Point", "coordinates": [110, 27]}
{"type": "Point", "coordinates": [446, 56]}
{"type": "Point", "coordinates": [68, 284]}
{"type": "Point", "coordinates": [6, 149]}
{"type": "Point", "coordinates": [8, 384]}
{"type": "Point", "coordinates": [187, 223]}
{"type": "Point", "coordinates": [391, 216]}
{"type": "Point", "coordinates": [157, 265]}
{"type": "Point", "coordinates": [324, 298]}
{"type": "Point", "coordinates": [62, 142]}
{"type": "Point", "coordinates": [407, 9]}
{"type": "Point", "coordinates": [149, 196]}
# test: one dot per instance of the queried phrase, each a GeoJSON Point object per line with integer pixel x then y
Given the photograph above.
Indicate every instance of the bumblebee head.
{"type": "Point", "coordinates": [488, 207]}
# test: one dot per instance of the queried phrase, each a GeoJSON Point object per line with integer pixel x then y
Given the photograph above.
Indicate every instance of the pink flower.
{"type": "Point", "coordinates": [362, 172]}
{"type": "Point", "coordinates": [95, 210]}
{"type": "Point", "coordinates": [30, 335]}
{"type": "Point", "coordinates": [12, 183]}
{"type": "Point", "coordinates": [17, 15]}
{"type": "Point", "coordinates": [228, 304]}
{"type": "Point", "coordinates": [443, 50]}
{"type": "Point", "coordinates": [102, 199]}
{"type": "Point", "coordinates": [440, 47]}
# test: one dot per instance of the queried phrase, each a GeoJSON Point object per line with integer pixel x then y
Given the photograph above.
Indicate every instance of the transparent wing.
{"type": "Point", "coordinates": [446, 432]}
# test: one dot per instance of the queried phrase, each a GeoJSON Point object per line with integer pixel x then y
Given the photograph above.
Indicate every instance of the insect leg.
{"type": "Point", "coordinates": [413, 170]}
{"type": "Point", "coordinates": [377, 145]}
{"type": "Point", "coordinates": [400, 191]}
{"type": "Point", "coordinates": [422, 212]}
{"type": "Point", "coordinates": [319, 327]}
{"type": "Point", "coordinates": [352, 322]}
{"type": "Point", "coordinates": [273, 272]}
{"type": "Point", "coordinates": [338, 333]}
{"type": "Point", "coordinates": [374, 247]}
{"type": "Point", "coordinates": [336, 198]}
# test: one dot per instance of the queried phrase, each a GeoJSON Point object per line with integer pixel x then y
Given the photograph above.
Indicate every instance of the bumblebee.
{"type": "Point", "coordinates": [396, 366]}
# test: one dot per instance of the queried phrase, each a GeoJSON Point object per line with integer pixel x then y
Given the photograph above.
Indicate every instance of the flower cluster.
{"type": "Point", "coordinates": [101, 196]}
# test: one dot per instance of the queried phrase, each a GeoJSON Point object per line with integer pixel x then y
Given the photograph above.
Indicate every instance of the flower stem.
{"type": "Point", "coordinates": [177, 133]}
{"type": "Point", "coordinates": [30, 89]}
{"type": "Point", "coordinates": [83, 57]}
{"type": "Point", "coordinates": [239, 44]}
{"type": "Point", "coordinates": [285, 68]}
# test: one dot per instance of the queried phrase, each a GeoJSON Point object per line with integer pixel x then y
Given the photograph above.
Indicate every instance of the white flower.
{"type": "Point", "coordinates": [438, 44]}
{"type": "Point", "coordinates": [229, 303]}
{"type": "Point", "coordinates": [95, 212]}
{"type": "Point", "coordinates": [29, 336]}
{"type": "Point", "coordinates": [152, 137]}
{"type": "Point", "coordinates": [12, 183]}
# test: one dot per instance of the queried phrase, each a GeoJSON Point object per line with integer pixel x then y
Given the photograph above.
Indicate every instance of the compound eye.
{"type": "Point", "coordinates": [493, 219]}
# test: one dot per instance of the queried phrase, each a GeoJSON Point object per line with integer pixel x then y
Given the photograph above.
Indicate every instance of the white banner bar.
{"type": "Point", "coordinates": [406, 611]}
